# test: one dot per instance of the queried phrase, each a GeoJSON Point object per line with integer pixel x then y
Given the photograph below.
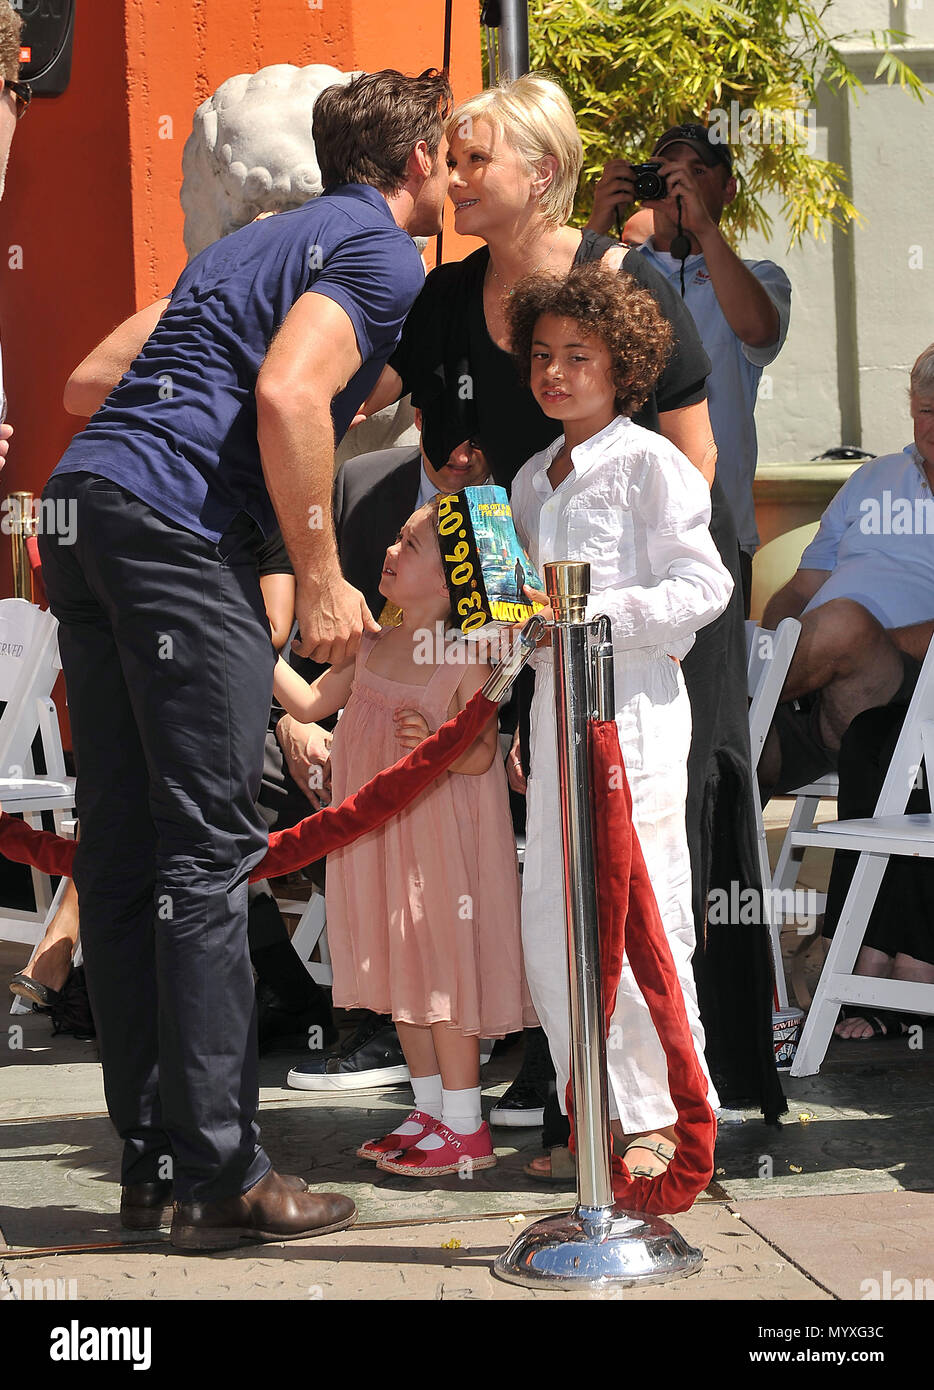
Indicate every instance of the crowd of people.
{"type": "Point", "coordinates": [610, 389]}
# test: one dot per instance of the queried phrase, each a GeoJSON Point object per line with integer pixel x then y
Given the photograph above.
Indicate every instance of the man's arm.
{"type": "Point", "coordinates": [689, 429]}
{"type": "Point", "coordinates": [92, 382]}
{"type": "Point", "coordinates": [311, 359]}
{"type": "Point", "coordinates": [791, 600]}
{"type": "Point", "coordinates": [746, 306]}
{"type": "Point", "coordinates": [914, 639]}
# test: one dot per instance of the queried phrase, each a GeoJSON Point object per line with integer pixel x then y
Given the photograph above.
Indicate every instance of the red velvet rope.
{"type": "Point", "coordinates": [383, 797]}
{"type": "Point", "coordinates": [626, 899]}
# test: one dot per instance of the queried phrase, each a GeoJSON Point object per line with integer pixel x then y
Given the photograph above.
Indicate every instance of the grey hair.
{"type": "Point", "coordinates": [922, 374]}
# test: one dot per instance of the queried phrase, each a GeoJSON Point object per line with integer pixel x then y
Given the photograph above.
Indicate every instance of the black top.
{"type": "Point", "coordinates": [445, 344]}
{"type": "Point", "coordinates": [272, 556]}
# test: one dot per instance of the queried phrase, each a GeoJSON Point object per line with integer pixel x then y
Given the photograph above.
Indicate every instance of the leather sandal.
{"type": "Point", "coordinates": [563, 1169]}
{"type": "Point", "coordinates": [25, 987]}
{"type": "Point", "coordinates": [665, 1152]}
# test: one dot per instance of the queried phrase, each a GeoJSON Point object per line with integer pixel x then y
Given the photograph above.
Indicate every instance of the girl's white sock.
{"type": "Point", "coordinates": [428, 1095]}
{"type": "Point", "coordinates": [460, 1110]}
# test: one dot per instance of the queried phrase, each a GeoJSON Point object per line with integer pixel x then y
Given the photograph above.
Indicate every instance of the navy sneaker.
{"type": "Point", "coordinates": [370, 1059]}
{"type": "Point", "coordinates": [522, 1107]}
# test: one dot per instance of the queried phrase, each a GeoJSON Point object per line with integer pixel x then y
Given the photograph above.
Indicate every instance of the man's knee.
{"type": "Point", "coordinates": [839, 635]}
{"type": "Point", "coordinates": [840, 623]}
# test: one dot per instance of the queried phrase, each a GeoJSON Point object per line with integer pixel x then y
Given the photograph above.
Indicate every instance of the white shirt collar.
{"type": "Point", "coordinates": [583, 456]}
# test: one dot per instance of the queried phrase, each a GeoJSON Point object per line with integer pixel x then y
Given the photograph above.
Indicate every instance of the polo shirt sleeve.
{"type": "Point", "coordinates": [374, 277]}
{"type": "Point", "coordinates": [821, 554]}
{"type": "Point", "coordinates": [778, 288]}
{"type": "Point", "coordinates": [684, 379]}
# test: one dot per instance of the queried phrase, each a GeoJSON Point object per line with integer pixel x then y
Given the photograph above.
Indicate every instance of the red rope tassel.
{"type": "Point", "coordinates": [626, 899]}
{"type": "Point", "coordinates": [383, 797]}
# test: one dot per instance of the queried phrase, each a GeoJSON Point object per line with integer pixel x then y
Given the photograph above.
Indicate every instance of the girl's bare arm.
{"type": "Point", "coordinates": [309, 703]}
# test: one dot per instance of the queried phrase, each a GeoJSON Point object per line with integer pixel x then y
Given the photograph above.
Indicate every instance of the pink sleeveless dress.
{"type": "Point", "coordinates": [423, 913]}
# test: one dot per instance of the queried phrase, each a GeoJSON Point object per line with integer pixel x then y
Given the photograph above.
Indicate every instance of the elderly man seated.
{"type": "Point", "coordinates": [864, 594]}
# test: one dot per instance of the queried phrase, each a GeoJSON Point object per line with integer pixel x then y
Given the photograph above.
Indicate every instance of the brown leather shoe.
{"type": "Point", "coordinates": [274, 1209]}
{"type": "Point", "coordinates": [145, 1206]}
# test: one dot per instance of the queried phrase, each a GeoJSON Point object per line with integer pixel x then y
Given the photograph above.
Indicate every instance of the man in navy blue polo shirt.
{"type": "Point", "coordinates": [225, 422]}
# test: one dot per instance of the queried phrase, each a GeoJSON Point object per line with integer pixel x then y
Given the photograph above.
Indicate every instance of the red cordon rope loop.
{"type": "Point", "coordinates": [630, 923]}
{"type": "Point", "coordinates": [624, 896]}
{"type": "Point", "coordinates": [389, 792]}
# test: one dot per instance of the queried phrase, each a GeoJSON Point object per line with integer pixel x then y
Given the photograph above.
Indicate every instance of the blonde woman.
{"type": "Point", "coordinates": [514, 158]}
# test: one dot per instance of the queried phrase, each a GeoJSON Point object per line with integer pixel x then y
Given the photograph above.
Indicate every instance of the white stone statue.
{"type": "Point", "coordinates": [250, 151]}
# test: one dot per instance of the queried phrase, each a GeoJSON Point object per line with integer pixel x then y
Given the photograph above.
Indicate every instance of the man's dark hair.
{"type": "Point", "coordinates": [11, 25]}
{"type": "Point", "coordinates": [365, 129]}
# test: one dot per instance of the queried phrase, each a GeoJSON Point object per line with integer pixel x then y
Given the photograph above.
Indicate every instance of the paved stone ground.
{"type": "Point", "coordinates": [836, 1202]}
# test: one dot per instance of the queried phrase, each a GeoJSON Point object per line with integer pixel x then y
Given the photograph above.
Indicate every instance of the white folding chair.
{"type": "Point", "coordinates": [888, 831]}
{"type": "Point", "coordinates": [768, 656]}
{"type": "Point", "coordinates": [311, 932]}
{"type": "Point", "coordinates": [29, 665]}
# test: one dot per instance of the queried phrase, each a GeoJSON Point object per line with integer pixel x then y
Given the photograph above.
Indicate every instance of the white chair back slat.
{"type": "Point", "coordinates": [768, 657]}
{"type": "Point", "coordinates": [29, 665]}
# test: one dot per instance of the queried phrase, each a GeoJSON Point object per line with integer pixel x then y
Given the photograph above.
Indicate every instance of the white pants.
{"type": "Point", "coordinates": [653, 716]}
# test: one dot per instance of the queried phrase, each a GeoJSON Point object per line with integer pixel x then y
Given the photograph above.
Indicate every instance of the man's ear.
{"type": "Point", "coordinates": [730, 189]}
{"type": "Point", "coordinates": [418, 419]}
{"type": "Point", "coordinates": [420, 163]}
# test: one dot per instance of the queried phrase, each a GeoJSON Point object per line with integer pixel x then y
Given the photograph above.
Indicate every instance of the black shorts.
{"type": "Point", "coordinates": [805, 757]}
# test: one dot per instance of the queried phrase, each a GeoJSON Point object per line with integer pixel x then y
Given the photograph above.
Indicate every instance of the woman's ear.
{"type": "Point", "coordinates": [546, 169]}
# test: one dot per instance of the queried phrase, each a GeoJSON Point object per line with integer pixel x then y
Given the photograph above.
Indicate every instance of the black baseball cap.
{"type": "Point", "coordinates": [701, 139]}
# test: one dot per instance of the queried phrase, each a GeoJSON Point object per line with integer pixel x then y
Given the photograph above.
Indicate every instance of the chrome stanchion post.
{"type": "Point", "coordinates": [599, 1245]}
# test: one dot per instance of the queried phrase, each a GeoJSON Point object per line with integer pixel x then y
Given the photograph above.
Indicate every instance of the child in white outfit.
{"type": "Point", "coordinates": [632, 505]}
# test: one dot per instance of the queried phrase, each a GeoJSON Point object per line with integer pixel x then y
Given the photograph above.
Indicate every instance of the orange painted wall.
{"type": "Point", "coordinates": [94, 176]}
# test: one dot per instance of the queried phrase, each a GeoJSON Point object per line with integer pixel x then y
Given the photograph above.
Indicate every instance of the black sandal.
{"type": "Point", "coordinates": [25, 987]}
{"type": "Point", "coordinates": [885, 1023]}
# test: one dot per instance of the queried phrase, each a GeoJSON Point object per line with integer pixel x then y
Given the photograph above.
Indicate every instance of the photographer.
{"type": "Point", "coordinates": [741, 308]}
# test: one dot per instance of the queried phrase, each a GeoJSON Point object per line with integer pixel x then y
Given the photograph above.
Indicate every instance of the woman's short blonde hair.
{"type": "Point", "coordinates": [535, 118]}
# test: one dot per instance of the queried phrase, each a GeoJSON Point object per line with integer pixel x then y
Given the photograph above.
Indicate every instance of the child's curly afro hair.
{"type": "Point", "coordinates": [611, 307]}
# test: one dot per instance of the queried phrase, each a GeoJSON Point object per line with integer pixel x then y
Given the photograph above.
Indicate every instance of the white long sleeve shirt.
{"type": "Point", "coordinates": [638, 511]}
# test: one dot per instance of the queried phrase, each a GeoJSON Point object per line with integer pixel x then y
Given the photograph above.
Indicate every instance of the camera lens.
{"type": "Point", "coordinates": [649, 183]}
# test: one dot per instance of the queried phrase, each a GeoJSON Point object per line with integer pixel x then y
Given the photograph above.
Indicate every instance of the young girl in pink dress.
{"type": "Point", "coordinates": [423, 913]}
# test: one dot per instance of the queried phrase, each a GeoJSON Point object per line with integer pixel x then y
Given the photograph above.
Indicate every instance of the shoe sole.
{"type": "Point", "coordinates": [476, 1164]}
{"type": "Point", "coordinates": [149, 1220]}
{"type": "Point", "coordinates": [518, 1119]}
{"type": "Point", "coordinates": [349, 1081]}
{"type": "Point", "coordinates": [193, 1238]}
{"type": "Point", "coordinates": [24, 992]}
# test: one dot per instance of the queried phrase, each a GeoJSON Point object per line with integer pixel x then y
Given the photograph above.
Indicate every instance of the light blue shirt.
{"type": "Point", "coordinates": [877, 536]}
{"type": "Point", "coordinates": [426, 489]}
{"type": "Point", "coordinates": [734, 379]}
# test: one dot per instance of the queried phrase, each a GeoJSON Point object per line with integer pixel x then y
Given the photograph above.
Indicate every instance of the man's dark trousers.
{"type": "Point", "coordinates": [168, 664]}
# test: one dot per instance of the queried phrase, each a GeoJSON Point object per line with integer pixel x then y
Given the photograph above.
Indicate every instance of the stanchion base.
{"type": "Point", "coordinates": [597, 1248]}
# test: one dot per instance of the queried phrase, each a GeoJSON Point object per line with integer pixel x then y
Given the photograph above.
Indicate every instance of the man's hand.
{"type": "Point", "coordinates": [5, 434]}
{"type": "Point", "coordinates": [694, 215]}
{"type": "Point", "coordinates": [615, 191]}
{"type": "Point", "coordinates": [332, 615]}
{"type": "Point", "coordinates": [307, 752]}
